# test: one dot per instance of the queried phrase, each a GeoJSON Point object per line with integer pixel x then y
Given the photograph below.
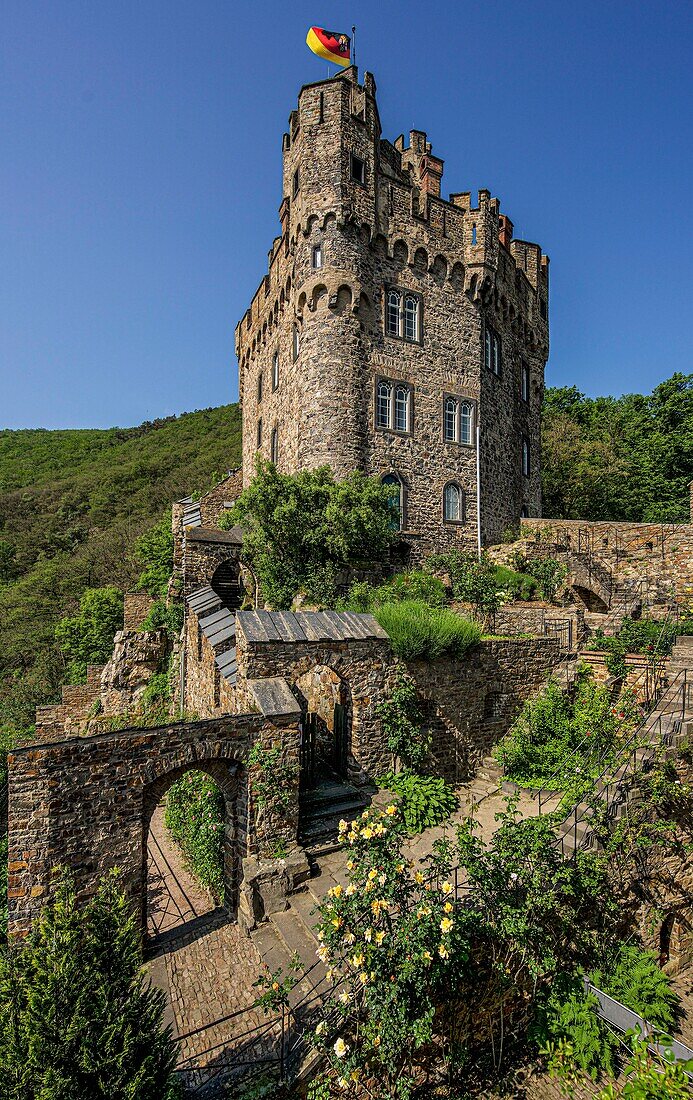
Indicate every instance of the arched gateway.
{"type": "Point", "coordinates": [85, 803]}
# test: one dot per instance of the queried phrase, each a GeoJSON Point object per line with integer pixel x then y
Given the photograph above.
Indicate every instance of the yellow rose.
{"type": "Point", "coordinates": [448, 907]}
{"type": "Point", "coordinates": [447, 887]}
{"type": "Point", "coordinates": [391, 810]}
{"type": "Point", "coordinates": [418, 877]}
{"type": "Point", "coordinates": [340, 1048]}
{"type": "Point", "coordinates": [445, 925]}
{"type": "Point", "coordinates": [443, 951]}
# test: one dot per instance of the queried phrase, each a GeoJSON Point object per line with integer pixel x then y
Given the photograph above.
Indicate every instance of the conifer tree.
{"type": "Point", "coordinates": [78, 1021]}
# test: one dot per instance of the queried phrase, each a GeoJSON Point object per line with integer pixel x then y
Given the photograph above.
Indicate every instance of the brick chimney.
{"type": "Point", "coordinates": [430, 173]}
{"type": "Point", "coordinates": [505, 230]}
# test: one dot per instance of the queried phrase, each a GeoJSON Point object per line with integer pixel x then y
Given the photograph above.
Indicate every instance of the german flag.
{"type": "Point", "coordinates": [330, 45]}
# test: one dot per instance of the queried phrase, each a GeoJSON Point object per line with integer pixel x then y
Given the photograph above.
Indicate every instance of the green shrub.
{"type": "Point", "coordinates": [520, 586]}
{"type": "Point", "coordinates": [635, 979]}
{"type": "Point", "coordinates": [413, 585]}
{"type": "Point", "coordinates": [417, 631]}
{"type": "Point", "coordinates": [87, 638]}
{"type": "Point", "coordinates": [402, 720]}
{"type": "Point", "coordinates": [547, 573]}
{"type": "Point", "coordinates": [77, 1018]}
{"type": "Point", "coordinates": [154, 551]}
{"type": "Point", "coordinates": [568, 1013]}
{"type": "Point", "coordinates": [423, 799]}
{"type": "Point", "coordinates": [167, 617]}
{"type": "Point", "coordinates": [195, 818]}
{"type": "Point", "coordinates": [562, 742]}
{"type": "Point", "coordinates": [473, 580]}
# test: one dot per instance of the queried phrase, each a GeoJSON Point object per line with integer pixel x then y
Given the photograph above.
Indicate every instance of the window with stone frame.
{"type": "Point", "coordinates": [296, 183]}
{"type": "Point", "coordinates": [393, 402]}
{"type": "Point", "coordinates": [317, 257]}
{"type": "Point", "coordinates": [493, 351]}
{"type": "Point", "coordinates": [357, 169]}
{"type": "Point", "coordinates": [396, 485]}
{"type": "Point", "coordinates": [275, 371]}
{"type": "Point", "coordinates": [453, 503]}
{"type": "Point", "coordinates": [524, 379]}
{"type": "Point", "coordinates": [296, 342]}
{"type": "Point", "coordinates": [403, 315]}
{"type": "Point", "coordinates": [274, 445]}
{"type": "Point", "coordinates": [259, 387]}
{"type": "Point", "coordinates": [525, 456]}
{"type": "Point", "coordinates": [259, 432]}
{"type": "Point", "coordinates": [458, 420]}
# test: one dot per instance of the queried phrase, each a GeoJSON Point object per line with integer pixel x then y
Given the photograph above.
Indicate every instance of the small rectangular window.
{"type": "Point", "coordinates": [382, 404]}
{"type": "Point", "coordinates": [296, 343]}
{"type": "Point", "coordinates": [274, 447]}
{"type": "Point", "coordinates": [525, 456]}
{"type": "Point", "coordinates": [275, 371]}
{"type": "Point", "coordinates": [524, 380]}
{"type": "Point", "coordinates": [259, 432]}
{"type": "Point", "coordinates": [317, 257]}
{"type": "Point", "coordinates": [358, 169]}
{"type": "Point", "coordinates": [297, 183]}
{"type": "Point", "coordinates": [259, 387]}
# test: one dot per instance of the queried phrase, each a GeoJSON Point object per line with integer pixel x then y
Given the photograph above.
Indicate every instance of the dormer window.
{"type": "Point", "coordinates": [403, 315]}
{"type": "Point", "coordinates": [357, 169]}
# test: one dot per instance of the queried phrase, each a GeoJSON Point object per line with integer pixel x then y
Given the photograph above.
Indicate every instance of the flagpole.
{"type": "Point", "coordinates": [353, 45]}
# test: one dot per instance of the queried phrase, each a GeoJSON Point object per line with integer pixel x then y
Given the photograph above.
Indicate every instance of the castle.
{"type": "Point", "coordinates": [396, 332]}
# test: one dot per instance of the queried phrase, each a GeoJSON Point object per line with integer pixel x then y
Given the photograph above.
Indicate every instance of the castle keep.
{"type": "Point", "coordinates": [395, 328]}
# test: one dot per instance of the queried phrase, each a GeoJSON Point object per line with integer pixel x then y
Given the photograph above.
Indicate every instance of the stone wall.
{"type": "Point", "coordinates": [326, 325]}
{"type": "Point", "coordinates": [207, 692]}
{"type": "Point", "coordinates": [541, 619]}
{"type": "Point", "coordinates": [215, 502]}
{"type": "Point", "coordinates": [471, 702]}
{"type": "Point", "coordinates": [86, 803]}
{"type": "Point", "coordinates": [137, 656]}
{"type": "Point", "coordinates": [137, 606]}
{"type": "Point", "coordinates": [70, 715]}
{"type": "Point", "coordinates": [205, 550]}
{"type": "Point", "coordinates": [654, 559]}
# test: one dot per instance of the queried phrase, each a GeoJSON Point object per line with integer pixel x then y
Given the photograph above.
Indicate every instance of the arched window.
{"type": "Point", "coordinates": [275, 371]}
{"type": "Point", "coordinates": [402, 409]}
{"type": "Point", "coordinates": [397, 496]}
{"type": "Point", "coordinates": [274, 446]}
{"type": "Point", "coordinates": [382, 404]}
{"type": "Point", "coordinates": [392, 317]}
{"type": "Point", "coordinates": [525, 456]}
{"type": "Point", "coordinates": [411, 318]}
{"type": "Point", "coordinates": [450, 420]}
{"type": "Point", "coordinates": [453, 503]}
{"type": "Point", "coordinates": [466, 415]}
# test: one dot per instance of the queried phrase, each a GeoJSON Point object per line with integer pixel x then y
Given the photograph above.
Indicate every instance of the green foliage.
{"type": "Point", "coordinates": [87, 638]}
{"type": "Point", "coordinates": [272, 779]}
{"type": "Point", "coordinates": [472, 580]}
{"type": "Point", "coordinates": [423, 800]}
{"type": "Point", "coordinates": [195, 818]}
{"type": "Point", "coordinates": [547, 573]}
{"type": "Point", "coordinates": [154, 551]}
{"type": "Point", "coordinates": [300, 531]}
{"type": "Point", "coordinates": [634, 978]}
{"type": "Point", "coordinates": [8, 562]}
{"type": "Point", "coordinates": [402, 720]}
{"type": "Point", "coordinates": [168, 617]}
{"type": "Point", "coordinates": [561, 741]}
{"type": "Point", "coordinates": [519, 586]}
{"type": "Point", "coordinates": [625, 458]}
{"type": "Point", "coordinates": [420, 632]}
{"type": "Point", "coordinates": [651, 1076]}
{"type": "Point", "coordinates": [570, 1013]}
{"type": "Point", "coordinates": [77, 1018]}
{"type": "Point", "coordinates": [413, 585]}
{"type": "Point", "coordinates": [650, 636]}
{"type": "Point", "coordinates": [71, 505]}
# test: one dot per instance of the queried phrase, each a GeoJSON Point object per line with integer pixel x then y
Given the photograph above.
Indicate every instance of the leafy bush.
{"type": "Point", "coordinates": [77, 1018]}
{"type": "Point", "coordinates": [520, 586]}
{"type": "Point", "coordinates": [417, 631]}
{"type": "Point", "coordinates": [561, 742]}
{"type": "Point", "coordinates": [570, 1013]}
{"type": "Point", "coordinates": [473, 580]}
{"type": "Point", "coordinates": [167, 617]}
{"type": "Point", "coordinates": [422, 799]}
{"type": "Point", "coordinates": [300, 531]}
{"type": "Point", "coordinates": [154, 550]}
{"type": "Point", "coordinates": [195, 818]}
{"type": "Point", "coordinates": [87, 638]}
{"type": "Point", "coordinates": [402, 719]}
{"type": "Point", "coordinates": [547, 573]}
{"type": "Point", "coordinates": [414, 585]}
{"type": "Point", "coordinates": [635, 979]}
{"type": "Point", "coordinates": [650, 636]}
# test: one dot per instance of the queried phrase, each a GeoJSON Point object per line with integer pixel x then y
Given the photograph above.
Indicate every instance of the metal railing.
{"type": "Point", "coordinates": [625, 1020]}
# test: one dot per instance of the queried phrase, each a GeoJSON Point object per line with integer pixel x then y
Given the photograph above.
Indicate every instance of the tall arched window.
{"type": "Point", "coordinates": [382, 404]}
{"type": "Point", "coordinates": [525, 456]}
{"type": "Point", "coordinates": [275, 371]}
{"type": "Point", "coordinates": [453, 503]}
{"type": "Point", "coordinates": [402, 409]}
{"type": "Point", "coordinates": [450, 420]}
{"type": "Point", "coordinates": [397, 495]}
{"type": "Point", "coordinates": [466, 415]}
{"type": "Point", "coordinates": [392, 317]}
{"type": "Point", "coordinates": [411, 318]}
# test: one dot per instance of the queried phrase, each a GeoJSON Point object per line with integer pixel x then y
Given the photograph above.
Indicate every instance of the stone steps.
{"type": "Point", "coordinates": [323, 809]}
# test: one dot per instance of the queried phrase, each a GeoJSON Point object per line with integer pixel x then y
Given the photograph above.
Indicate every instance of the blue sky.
{"type": "Point", "coordinates": [140, 178]}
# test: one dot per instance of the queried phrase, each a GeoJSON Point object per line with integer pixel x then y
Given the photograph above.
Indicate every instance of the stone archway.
{"type": "Point", "coordinates": [230, 779]}
{"type": "Point", "coordinates": [325, 699]}
{"type": "Point", "coordinates": [226, 582]}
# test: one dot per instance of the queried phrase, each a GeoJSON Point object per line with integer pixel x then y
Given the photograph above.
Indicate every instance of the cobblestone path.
{"type": "Point", "coordinates": [206, 966]}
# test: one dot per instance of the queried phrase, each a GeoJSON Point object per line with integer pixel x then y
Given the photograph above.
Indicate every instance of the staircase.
{"type": "Point", "coordinates": [321, 811]}
{"type": "Point", "coordinates": [681, 657]}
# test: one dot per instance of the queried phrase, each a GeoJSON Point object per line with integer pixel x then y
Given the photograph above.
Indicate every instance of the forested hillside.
{"type": "Point", "coordinates": [622, 458]}
{"type": "Point", "coordinates": [71, 505]}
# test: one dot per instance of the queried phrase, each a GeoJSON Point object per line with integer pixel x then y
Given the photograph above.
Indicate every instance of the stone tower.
{"type": "Point", "coordinates": [395, 328]}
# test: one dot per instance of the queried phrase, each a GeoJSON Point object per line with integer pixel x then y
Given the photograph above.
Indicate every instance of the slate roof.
{"type": "Point", "coordinates": [218, 625]}
{"type": "Point", "coordinates": [233, 537]}
{"type": "Point", "coordinates": [308, 626]}
{"type": "Point", "coordinates": [274, 697]}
